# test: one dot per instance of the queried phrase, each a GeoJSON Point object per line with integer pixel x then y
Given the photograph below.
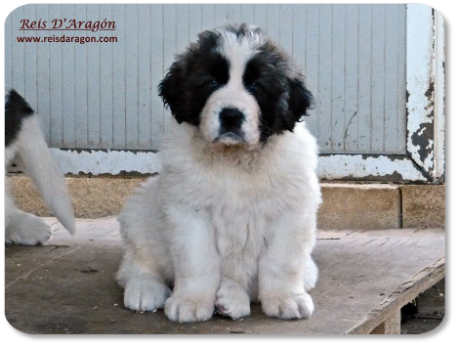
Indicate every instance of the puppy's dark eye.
{"type": "Point", "coordinates": [254, 86]}
{"type": "Point", "coordinates": [212, 84]}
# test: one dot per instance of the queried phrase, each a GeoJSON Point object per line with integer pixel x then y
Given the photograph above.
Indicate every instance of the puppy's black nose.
{"type": "Point", "coordinates": [231, 118]}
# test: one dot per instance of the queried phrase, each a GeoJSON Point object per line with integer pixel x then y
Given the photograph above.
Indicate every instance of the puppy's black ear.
{"type": "Point", "coordinates": [300, 100]}
{"type": "Point", "coordinates": [171, 91]}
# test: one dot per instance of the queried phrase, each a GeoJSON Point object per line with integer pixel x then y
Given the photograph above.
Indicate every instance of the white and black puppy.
{"type": "Point", "coordinates": [231, 219]}
{"type": "Point", "coordinates": [23, 137]}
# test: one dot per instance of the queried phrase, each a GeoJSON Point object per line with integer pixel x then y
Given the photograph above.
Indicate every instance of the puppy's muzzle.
{"type": "Point", "coordinates": [231, 121]}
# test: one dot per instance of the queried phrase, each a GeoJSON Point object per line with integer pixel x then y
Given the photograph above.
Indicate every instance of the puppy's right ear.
{"type": "Point", "coordinates": [171, 91]}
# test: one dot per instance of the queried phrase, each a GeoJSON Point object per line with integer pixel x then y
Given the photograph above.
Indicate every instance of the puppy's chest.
{"type": "Point", "coordinates": [239, 232]}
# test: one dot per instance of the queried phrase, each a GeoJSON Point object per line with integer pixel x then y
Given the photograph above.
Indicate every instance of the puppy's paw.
{"type": "Point", "coordinates": [28, 229]}
{"type": "Point", "coordinates": [296, 306]}
{"type": "Point", "coordinates": [232, 300]}
{"type": "Point", "coordinates": [185, 310]}
{"type": "Point", "coordinates": [145, 294]}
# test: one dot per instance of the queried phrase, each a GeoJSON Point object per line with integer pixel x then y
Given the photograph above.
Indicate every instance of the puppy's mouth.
{"type": "Point", "coordinates": [230, 138]}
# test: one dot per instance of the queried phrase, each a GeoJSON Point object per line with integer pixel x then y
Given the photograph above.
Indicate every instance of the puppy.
{"type": "Point", "coordinates": [23, 137]}
{"type": "Point", "coordinates": [231, 219]}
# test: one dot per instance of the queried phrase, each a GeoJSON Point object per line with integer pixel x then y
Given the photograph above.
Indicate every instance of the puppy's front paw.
{"type": "Point", "coordinates": [145, 294]}
{"type": "Point", "coordinates": [232, 300]}
{"type": "Point", "coordinates": [184, 309]}
{"type": "Point", "coordinates": [295, 306]}
{"type": "Point", "coordinates": [28, 229]}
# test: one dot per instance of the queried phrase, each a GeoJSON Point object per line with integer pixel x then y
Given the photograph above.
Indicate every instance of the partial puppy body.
{"type": "Point", "coordinates": [23, 137]}
{"type": "Point", "coordinates": [231, 219]}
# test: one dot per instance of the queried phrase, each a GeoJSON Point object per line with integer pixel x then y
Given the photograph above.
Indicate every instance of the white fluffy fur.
{"type": "Point", "coordinates": [224, 226]}
{"type": "Point", "coordinates": [233, 94]}
{"type": "Point", "coordinates": [25, 228]}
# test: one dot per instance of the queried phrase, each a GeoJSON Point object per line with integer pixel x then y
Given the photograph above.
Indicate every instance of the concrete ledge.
{"type": "Point", "coordinates": [423, 206]}
{"type": "Point", "coordinates": [345, 206]}
{"type": "Point", "coordinates": [359, 207]}
{"type": "Point", "coordinates": [91, 197]}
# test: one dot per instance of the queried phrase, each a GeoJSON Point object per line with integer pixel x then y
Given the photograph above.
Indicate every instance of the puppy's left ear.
{"type": "Point", "coordinates": [171, 91]}
{"type": "Point", "coordinates": [300, 100]}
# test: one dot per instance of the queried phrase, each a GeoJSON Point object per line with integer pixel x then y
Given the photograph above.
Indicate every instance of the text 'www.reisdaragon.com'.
{"type": "Point", "coordinates": [67, 39]}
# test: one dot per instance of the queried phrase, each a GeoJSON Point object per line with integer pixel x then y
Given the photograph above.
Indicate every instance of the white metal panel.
{"type": "Point", "coordinates": [145, 83]}
{"type": "Point", "coordinates": [157, 73]}
{"type": "Point", "coordinates": [8, 51]}
{"type": "Point", "coordinates": [81, 87]}
{"type": "Point", "coordinates": [338, 53]}
{"type": "Point", "coordinates": [364, 77]}
{"type": "Point", "coordinates": [207, 16]}
{"type": "Point", "coordinates": [94, 83]}
{"type": "Point", "coordinates": [325, 78]}
{"type": "Point", "coordinates": [247, 13]}
{"type": "Point", "coordinates": [439, 124]}
{"type": "Point", "coordinates": [351, 124]}
{"type": "Point", "coordinates": [195, 21]}
{"type": "Point", "coordinates": [420, 87]}
{"type": "Point", "coordinates": [354, 57]}
{"type": "Point", "coordinates": [104, 95]}
{"type": "Point", "coordinates": [131, 76]}
{"type": "Point", "coordinates": [43, 71]}
{"type": "Point", "coordinates": [119, 115]}
{"type": "Point", "coordinates": [378, 37]}
{"type": "Point", "coordinates": [391, 122]}
{"type": "Point", "coordinates": [311, 64]}
{"type": "Point", "coordinates": [68, 89]}
{"type": "Point", "coordinates": [260, 15]}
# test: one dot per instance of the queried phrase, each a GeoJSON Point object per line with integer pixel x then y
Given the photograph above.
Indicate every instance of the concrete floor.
{"type": "Point", "coordinates": [68, 286]}
{"type": "Point", "coordinates": [420, 326]}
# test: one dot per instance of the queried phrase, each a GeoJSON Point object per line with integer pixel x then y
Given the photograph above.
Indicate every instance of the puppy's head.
{"type": "Point", "coordinates": [237, 86]}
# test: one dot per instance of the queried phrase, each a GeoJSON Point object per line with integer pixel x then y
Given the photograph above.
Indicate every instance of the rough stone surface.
{"type": "Point", "coordinates": [423, 206]}
{"type": "Point", "coordinates": [345, 205]}
{"type": "Point", "coordinates": [355, 206]}
{"type": "Point", "coordinates": [91, 197]}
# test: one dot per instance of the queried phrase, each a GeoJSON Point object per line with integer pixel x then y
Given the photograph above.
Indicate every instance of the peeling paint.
{"type": "Point", "coordinates": [103, 162]}
{"type": "Point", "coordinates": [420, 87]}
{"type": "Point", "coordinates": [430, 91]}
{"type": "Point", "coordinates": [368, 167]}
{"type": "Point", "coordinates": [79, 151]}
{"type": "Point", "coordinates": [439, 98]}
{"type": "Point", "coordinates": [422, 140]}
{"type": "Point", "coordinates": [330, 167]}
{"type": "Point", "coordinates": [393, 177]}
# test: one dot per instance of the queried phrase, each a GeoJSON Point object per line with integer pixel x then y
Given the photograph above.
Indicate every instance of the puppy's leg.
{"type": "Point", "coordinates": [232, 299]}
{"type": "Point", "coordinates": [145, 288]}
{"type": "Point", "coordinates": [237, 286]}
{"type": "Point", "coordinates": [310, 275]}
{"type": "Point", "coordinates": [196, 266]}
{"type": "Point", "coordinates": [23, 228]}
{"type": "Point", "coordinates": [281, 272]}
{"type": "Point", "coordinates": [27, 229]}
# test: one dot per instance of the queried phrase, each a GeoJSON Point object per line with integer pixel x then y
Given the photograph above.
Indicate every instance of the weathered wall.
{"type": "Point", "coordinates": [103, 95]}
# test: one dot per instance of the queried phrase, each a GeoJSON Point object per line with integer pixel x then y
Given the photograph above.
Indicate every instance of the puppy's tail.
{"type": "Point", "coordinates": [48, 179]}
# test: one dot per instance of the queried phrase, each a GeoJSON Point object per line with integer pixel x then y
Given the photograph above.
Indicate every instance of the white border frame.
{"type": "Point", "coordinates": [425, 106]}
{"type": "Point", "coordinates": [440, 93]}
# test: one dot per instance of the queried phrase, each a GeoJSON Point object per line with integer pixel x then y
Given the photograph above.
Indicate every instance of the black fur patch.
{"type": "Point", "coordinates": [16, 110]}
{"type": "Point", "coordinates": [193, 77]}
{"type": "Point", "coordinates": [283, 100]}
